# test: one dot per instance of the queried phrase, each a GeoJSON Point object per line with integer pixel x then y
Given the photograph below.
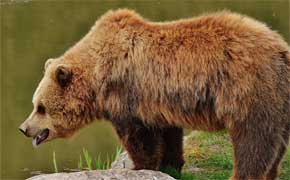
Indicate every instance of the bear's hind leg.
{"type": "Point", "coordinates": [255, 149]}
{"type": "Point", "coordinates": [173, 148]}
{"type": "Point", "coordinates": [143, 143]}
{"type": "Point", "coordinates": [274, 171]}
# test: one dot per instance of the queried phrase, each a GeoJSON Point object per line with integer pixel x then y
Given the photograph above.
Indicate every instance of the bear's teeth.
{"type": "Point", "coordinates": [34, 142]}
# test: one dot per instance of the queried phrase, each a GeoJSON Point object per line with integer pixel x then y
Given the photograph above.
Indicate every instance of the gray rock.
{"type": "Point", "coordinates": [110, 174]}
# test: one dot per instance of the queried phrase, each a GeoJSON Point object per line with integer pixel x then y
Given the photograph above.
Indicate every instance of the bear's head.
{"type": "Point", "coordinates": [62, 103]}
{"type": "Point", "coordinates": [80, 85]}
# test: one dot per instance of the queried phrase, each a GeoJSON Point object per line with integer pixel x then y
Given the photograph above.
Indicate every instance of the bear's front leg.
{"type": "Point", "coordinates": [143, 143]}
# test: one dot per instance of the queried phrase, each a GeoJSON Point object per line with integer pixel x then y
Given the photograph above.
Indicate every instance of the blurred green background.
{"type": "Point", "coordinates": [33, 31]}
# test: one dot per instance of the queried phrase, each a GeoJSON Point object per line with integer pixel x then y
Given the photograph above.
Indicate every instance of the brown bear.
{"type": "Point", "coordinates": [151, 79]}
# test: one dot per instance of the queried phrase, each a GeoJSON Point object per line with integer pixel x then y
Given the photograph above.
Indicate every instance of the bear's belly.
{"type": "Point", "coordinates": [196, 121]}
{"type": "Point", "coordinates": [205, 120]}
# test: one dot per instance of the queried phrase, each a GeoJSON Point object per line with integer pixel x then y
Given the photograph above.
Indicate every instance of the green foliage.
{"type": "Point", "coordinates": [212, 155]}
{"type": "Point", "coordinates": [285, 171]}
{"type": "Point", "coordinates": [98, 161]}
{"type": "Point", "coordinates": [89, 160]}
{"type": "Point", "coordinates": [118, 152]}
{"type": "Point", "coordinates": [54, 163]}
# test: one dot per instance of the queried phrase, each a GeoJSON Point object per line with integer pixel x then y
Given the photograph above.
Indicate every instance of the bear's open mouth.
{"type": "Point", "coordinates": [42, 136]}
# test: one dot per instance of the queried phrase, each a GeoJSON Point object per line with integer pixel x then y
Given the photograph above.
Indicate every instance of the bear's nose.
{"type": "Point", "coordinates": [24, 131]}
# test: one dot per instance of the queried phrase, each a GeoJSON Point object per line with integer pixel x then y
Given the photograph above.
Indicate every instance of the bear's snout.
{"type": "Point", "coordinates": [29, 127]}
{"type": "Point", "coordinates": [24, 129]}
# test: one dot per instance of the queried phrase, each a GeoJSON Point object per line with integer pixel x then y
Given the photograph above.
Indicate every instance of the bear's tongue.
{"type": "Point", "coordinates": [40, 137]}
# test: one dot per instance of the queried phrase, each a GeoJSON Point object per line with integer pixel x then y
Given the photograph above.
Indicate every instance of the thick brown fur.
{"type": "Point", "coordinates": [217, 71]}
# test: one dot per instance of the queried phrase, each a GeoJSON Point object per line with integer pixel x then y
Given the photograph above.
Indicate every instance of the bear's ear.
{"type": "Point", "coordinates": [63, 75]}
{"type": "Point", "coordinates": [47, 63]}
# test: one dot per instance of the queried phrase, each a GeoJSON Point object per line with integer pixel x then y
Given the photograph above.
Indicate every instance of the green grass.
{"type": "Point", "coordinates": [54, 163]}
{"type": "Point", "coordinates": [88, 162]}
{"type": "Point", "coordinates": [88, 159]}
{"type": "Point", "coordinates": [209, 156]}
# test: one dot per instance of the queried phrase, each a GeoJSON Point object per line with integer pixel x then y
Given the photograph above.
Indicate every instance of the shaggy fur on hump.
{"type": "Point", "coordinates": [204, 72]}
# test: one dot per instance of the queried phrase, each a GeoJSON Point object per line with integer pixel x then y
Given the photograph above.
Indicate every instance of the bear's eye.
{"type": "Point", "coordinates": [41, 109]}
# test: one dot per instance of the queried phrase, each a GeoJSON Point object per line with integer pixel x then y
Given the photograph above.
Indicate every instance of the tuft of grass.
{"type": "Point", "coordinates": [117, 153]}
{"type": "Point", "coordinates": [54, 163]}
{"type": "Point", "coordinates": [107, 163]}
{"type": "Point", "coordinates": [98, 162]}
{"type": "Point", "coordinates": [89, 160]}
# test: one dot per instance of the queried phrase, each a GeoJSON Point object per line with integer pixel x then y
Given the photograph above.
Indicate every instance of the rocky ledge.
{"type": "Point", "coordinates": [109, 174]}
